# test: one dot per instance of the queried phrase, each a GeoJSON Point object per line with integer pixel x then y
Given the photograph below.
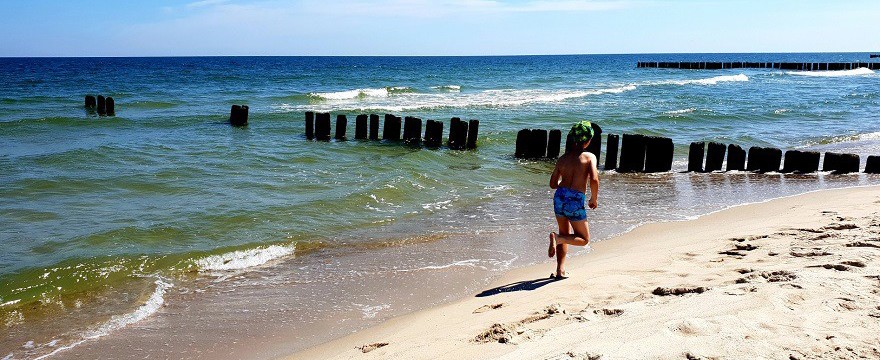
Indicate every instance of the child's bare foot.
{"type": "Point", "coordinates": [551, 251]}
{"type": "Point", "coordinates": [562, 274]}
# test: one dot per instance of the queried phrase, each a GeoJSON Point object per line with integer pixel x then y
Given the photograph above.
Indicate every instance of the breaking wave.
{"type": "Point", "coordinates": [242, 259]}
{"type": "Point", "coordinates": [837, 73]}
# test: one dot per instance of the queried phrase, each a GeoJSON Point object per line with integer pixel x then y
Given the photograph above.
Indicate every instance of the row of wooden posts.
{"type": "Point", "coordinates": [651, 154]}
{"type": "Point", "coordinates": [101, 105]}
{"type": "Point", "coordinates": [763, 159]}
{"type": "Point", "coordinates": [462, 134]}
{"type": "Point", "coordinates": [800, 66]}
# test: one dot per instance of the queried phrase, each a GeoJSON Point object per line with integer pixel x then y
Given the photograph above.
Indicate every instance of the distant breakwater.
{"type": "Point", "coordinates": [797, 66]}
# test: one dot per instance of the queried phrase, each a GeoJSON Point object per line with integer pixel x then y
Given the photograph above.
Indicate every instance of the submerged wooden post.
{"type": "Point", "coordinates": [374, 127]}
{"type": "Point", "coordinates": [522, 143]}
{"type": "Point", "coordinates": [658, 154]}
{"type": "Point", "coordinates": [110, 105]}
{"type": "Point", "coordinates": [632, 153]}
{"type": "Point", "coordinates": [412, 130]}
{"type": "Point", "coordinates": [840, 163]}
{"type": "Point", "coordinates": [595, 146]}
{"type": "Point", "coordinates": [102, 105]}
{"type": "Point", "coordinates": [238, 116]}
{"type": "Point", "coordinates": [341, 127]}
{"type": "Point", "coordinates": [473, 130]}
{"type": "Point", "coordinates": [538, 144]}
{"type": "Point", "coordinates": [715, 156]}
{"type": "Point", "coordinates": [91, 102]}
{"type": "Point", "coordinates": [310, 125]}
{"type": "Point", "coordinates": [613, 142]}
{"type": "Point", "coordinates": [457, 134]}
{"type": "Point", "coordinates": [695, 156]}
{"type": "Point", "coordinates": [873, 165]}
{"type": "Point", "coordinates": [554, 141]}
{"type": "Point", "coordinates": [433, 134]}
{"type": "Point", "coordinates": [322, 126]}
{"type": "Point", "coordinates": [360, 127]}
{"type": "Point", "coordinates": [803, 162]}
{"type": "Point", "coordinates": [391, 130]}
{"type": "Point", "coordinates": [736, 158]}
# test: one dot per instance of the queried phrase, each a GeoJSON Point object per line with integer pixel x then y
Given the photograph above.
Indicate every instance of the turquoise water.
{"type": "Point", "coordinates": [97, 213]}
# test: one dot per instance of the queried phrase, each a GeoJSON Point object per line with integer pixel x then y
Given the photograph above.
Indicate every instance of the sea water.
{"type": "Point", "coordinates": [159, 224]}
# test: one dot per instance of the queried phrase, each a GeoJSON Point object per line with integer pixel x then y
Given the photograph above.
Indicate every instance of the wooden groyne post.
{"type": "Point", "coordinates": [391, 130]}
{"type": "Point", "coordinates": [238, 115]}
{"type": "Point", "coordinates": [613, 142]}
{"type": "Point", "coordinates": [696, 153]}
{"type": "Point", "coordinates": [659, 152]}
{"type": "Point", "coordinates": [714, 156]}
{"type": "Point", "coordinates": [736, 158]}
{"type": "Point", "coordinates": [458, 131]}
{"type": "Point", "coordinates": [433, 134]}
{"type": "Point", "coordinates": [374, 127]}
{"type": "Point", "coordinates": [102, 105]}
{"type": "Point", "coordinates": [799, 66]}
{"type": "Point", "coordinates": [322, 126]}
{"type": "Point", "coordinates": [473, 131]}
{"type": "Point", "coordinates": [310, 125]}
{"type": "Point", "coordinates": [803, 162]}
{"type": "Point", "coordinates": [91, 102]}
{"type": "Point", "coordinates": [873, 165]}
{"type": "Point", "coordinates": [554, 141]}
{"type": "Point", "coordinates": [632, 153]}
{"type": "Point", "coordinates": [840, 163]}
{"type": "Point", "coordinates": [341, 127]}
{"type": "Point", "coordinates": [360, 127]}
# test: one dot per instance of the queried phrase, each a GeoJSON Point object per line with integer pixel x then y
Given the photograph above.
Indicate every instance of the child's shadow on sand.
{"type": "Point", "coordinates": [525, 285]}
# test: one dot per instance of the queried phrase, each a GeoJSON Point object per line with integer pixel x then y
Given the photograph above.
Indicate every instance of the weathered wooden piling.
{"type": "Point", "coordinates": [523, 138]}
{"type": "Point", "coordinates": [554, 141]}
{"type": "Point", "coordinates": [595, 146]}
{"type": "Point", "coordinates": [736, 158]}
{"type": "Point", "coordinates": [412, 130]}
{"type": "Point", "coordinates": [473, 131]}
{"type": "Point", "coordinates": [391, 130]}
{"type": "Point", "coordinates": [658, 154]}
{"type": "Point", "coordinates": [322, 126]}
{"type": "Point", "coordinates": [238, 115]}
{"type": "Point", "coordinates": [341, 127]}
{"type": "Point", "coordinates": [310, 125]}
{"type": "Point", "coordinates": [801, 66]}
{"type": "Point", "coordinates": [873, 165]}
{"type": "Point", "coordinates": [374, 127]}
{"type": "Point", "coordinates": [803, 162]}
{"type": "Point", "coordinates": [764, 159]}
{"type": "Point", "coordinates": [695, 156]}
{"type": "Point", "coordinates": [538, 144]}
{"type": "Point", "coordinates": [613, 142]}
{"type": "Point", "coordinates": [632, 153]}
{"type": "Point", "coordinates": [433, 134]}
{"type": "Point", "coordinates": [102, 105]}
{"type": "Point", "coordinates": [110, 105]}
{"type": "Point", "coordinates": [715, 156]}
{"type": "Point", "coordinates": [458, 134]}
{"type": "Point", "coordinates": [840, 163]}
{"type": "Point", "coordinates": [91, 102]}
{"type": "Point", "coordinates": [360, 127]}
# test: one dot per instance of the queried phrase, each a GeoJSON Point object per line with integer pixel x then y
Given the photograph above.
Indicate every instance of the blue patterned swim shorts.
{"type": "Point", "coordinates": [569, 203]}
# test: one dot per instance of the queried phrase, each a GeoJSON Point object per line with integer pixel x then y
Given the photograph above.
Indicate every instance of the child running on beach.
{"type": "Point", "coordinates": [573, 170]}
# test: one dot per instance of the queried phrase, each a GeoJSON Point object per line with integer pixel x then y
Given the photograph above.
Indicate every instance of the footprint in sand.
{"type": "Point", "coordinates": [367, 348]}
{"type": "Point", "coordinates": [661, 291]}
{"type": "Point", "coordinates": [488, 307]}
{"type": "Point", "coordinates": [609, 312]}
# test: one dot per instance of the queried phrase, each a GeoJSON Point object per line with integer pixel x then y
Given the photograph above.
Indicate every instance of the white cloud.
{"type": "Point", "coordinates": [205, 3]}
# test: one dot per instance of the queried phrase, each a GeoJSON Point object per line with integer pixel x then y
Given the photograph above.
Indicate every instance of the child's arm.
{"type": "Point", "coordinates": [594, 182]}
{"type": "Point", "coordinates": [554, 178]}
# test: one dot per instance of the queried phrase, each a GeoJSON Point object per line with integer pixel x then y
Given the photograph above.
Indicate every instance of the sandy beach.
{"type": "Point", "coordinates": [791, 278]}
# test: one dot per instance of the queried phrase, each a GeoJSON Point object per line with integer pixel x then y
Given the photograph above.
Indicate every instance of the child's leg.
{"type": "Point", "coordinates": [562, 249]}
{"type": "Point", "coordinates": [564, 228]}
{"type": "Point", "coordinates": [581, 235]}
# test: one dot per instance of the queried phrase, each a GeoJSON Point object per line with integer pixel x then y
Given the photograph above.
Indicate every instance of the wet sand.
{"type": "Point", "coordinates": [795, 277]}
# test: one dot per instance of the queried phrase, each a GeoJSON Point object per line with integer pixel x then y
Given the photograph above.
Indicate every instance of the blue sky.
{"type": "Point", "coordinates": [444, 27]}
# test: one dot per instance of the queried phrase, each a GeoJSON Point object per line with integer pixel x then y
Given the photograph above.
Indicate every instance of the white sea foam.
{"type": "Point", "coordinates": [452, 88]}
{"type": "Point", "coordinates": [370, 312]}
{"type": "Point", "coordinates": [836, 73]}
{"type": "Point", "coordinates": [680, 112]}
{"type": "Point", "coordinates": [351, 94]}
{"type": "Point", "coordinates": [406, 99]}
{"type": "Point", "coordinates": [242, 259]}
{"type": "Point", "coordinates": [150, 307]}
{"type": "Point", "coordinates": [708, 81]}
{"type": "Point", "coordinates": [10, 302]}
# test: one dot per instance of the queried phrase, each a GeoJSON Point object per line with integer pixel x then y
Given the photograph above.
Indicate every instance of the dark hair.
{"type": "Point", "coordinates": [572, 146]}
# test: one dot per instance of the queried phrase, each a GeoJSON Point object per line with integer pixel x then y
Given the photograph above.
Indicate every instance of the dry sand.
{"type": "Point", "coordinates": [792, 278]}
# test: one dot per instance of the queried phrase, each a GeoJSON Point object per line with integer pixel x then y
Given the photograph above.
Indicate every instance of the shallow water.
{"type": "Point", "coordinates": [260, 228]}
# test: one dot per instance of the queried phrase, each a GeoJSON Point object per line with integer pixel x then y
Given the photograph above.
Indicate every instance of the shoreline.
{"type": "Point", "coordinates": [528, 323]}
